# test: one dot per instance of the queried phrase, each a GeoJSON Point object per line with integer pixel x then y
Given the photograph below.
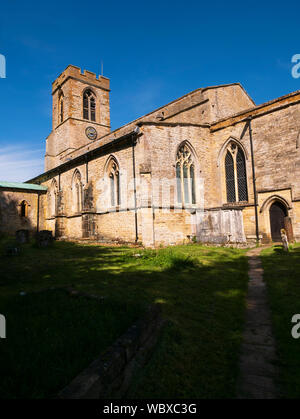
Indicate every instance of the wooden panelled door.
{"type": "Point", "coordinates": [277, 214]}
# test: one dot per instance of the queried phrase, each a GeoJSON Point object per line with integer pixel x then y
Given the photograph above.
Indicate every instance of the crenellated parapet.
{"type": "Point", "coordinates": [87, 77]}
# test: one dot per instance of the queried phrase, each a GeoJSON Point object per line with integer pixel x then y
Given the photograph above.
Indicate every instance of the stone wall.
{"type": "Point", "coordinates": [277, 165]}
{"type": "Point", "coordinates": [11, 219]}
{"type": "Point", "coordinates": [110, 375]}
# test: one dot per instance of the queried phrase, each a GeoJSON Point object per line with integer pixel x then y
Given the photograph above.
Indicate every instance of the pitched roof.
{"type": "Point", "coordinates": [20, 185]}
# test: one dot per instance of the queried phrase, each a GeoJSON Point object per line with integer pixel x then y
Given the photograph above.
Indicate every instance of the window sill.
{"type": "Point", "coordinates": [186, 206]}
{"type": "Point", "coordinates": [236, 203]}
{"type": "Point", "coordinates": [114, 209]}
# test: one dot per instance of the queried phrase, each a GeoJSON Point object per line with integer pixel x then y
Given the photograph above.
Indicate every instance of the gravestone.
{"type": "Point", "coordinates": [284, 240]}
{"type": "Point", "coordinates": [22, 236]}
{"type": "Point", "coordinates": [289, 229]}
{"type": "Point", "coordinates": [12, 250]}
{"type": "Point", "coordinates": [44, 238]}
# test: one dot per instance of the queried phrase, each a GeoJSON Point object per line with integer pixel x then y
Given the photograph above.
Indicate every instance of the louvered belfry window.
{"type": "Point", "coordinates": [235, 172]}
{"type": "Point", "coordinates": [61, 108]}
{"type": "Point", "coordinates": [89, 106]}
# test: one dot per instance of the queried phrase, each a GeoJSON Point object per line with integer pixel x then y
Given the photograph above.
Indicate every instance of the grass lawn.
{"type": "Point", "coordinates": [202, 291]}
{"type": "Point", "coordinates": [51, 337]}
{"type": "Point", "coordinates": [282, 275]}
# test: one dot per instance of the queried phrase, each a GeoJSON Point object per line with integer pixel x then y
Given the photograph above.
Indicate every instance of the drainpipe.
{"type": "Point", "coordinates": [134, 182]}
{"type": "Point", "coordinates": [86, 169]}
{"type": "Point", "coordinates": [254, 180]}
{"type": "Point", "coordinates": [38, 213]}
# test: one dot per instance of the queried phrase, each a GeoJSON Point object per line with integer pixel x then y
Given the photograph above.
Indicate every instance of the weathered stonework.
{"type": "Point", "coordinates": [11, 217]}
{"type": "Point", "coordinates": [82, 199]}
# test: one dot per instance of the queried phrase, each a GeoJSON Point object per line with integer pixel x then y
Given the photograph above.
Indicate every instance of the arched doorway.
{"type": "Point", "coordinates": [278, 212]}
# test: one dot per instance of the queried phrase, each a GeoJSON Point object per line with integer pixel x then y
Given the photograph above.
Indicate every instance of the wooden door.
{"type": "Point", "coordinates": [277, 214]}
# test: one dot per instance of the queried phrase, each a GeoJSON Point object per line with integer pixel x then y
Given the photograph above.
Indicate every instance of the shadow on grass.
{"type": "Point", "coordinates": [52, 336]}
{"type": "Point", "coordinates": [202, 291]}
{"type": "Point", "coordinates": [282, 274]}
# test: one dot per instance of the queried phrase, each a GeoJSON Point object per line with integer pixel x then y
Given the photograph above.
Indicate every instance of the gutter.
{"type": "Point", "coordinates": [38, 213]}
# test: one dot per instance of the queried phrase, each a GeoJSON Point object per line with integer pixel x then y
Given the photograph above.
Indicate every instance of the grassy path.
{"type": "Point", "coordinates": [258, 355]}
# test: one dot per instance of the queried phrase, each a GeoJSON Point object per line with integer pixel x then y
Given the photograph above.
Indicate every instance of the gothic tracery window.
{"type": "Point", "coordinates": [235, 173]}
{"type": "Point", "coordinates": [52, 199]}
{"type": "Point", "coordinates": [114, 181]}
{"type": "Point", "coordinates": [185, 176]}
{"type": "Point", "coordinates": [89, 105]}
{"type": "Point", "coordinates": [77, 191]}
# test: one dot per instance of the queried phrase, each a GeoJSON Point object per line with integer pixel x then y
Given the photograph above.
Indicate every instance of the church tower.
{"type": "Point", "coordinates": [80, 113]}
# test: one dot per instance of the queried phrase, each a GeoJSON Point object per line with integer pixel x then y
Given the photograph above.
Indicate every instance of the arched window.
{"type": "Point", "coordinates": [185, 176]}
{"type": "Point", "coordinates": [230, 182]}
{"type": "Point", "coordinates": [114, 181]}
{"type": "Point", "coordinates": [77, 191]}
{"type": "Point", "coordinates": [241, 176]}
{"type": "Point", "coordinates": [235, 173]}
{"type": "Point", "coordinates": [60, 108]}
{"type": "Point", "coordinates": [52, 199]}
{"type": "Point", "coordinates": [89, 105]}
{"type": "Point", "coordinates": [24, 209]}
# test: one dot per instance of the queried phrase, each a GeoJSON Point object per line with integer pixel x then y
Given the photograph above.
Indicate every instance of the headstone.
{"type": "Point", "coordinates": [22, 236]}
{"type": "Point", "coordinates": [12, 250]}
{"type": "Point", "coordinates": [289, 229]}
{"type": "Point", "coordinates": [44, 238]}
{"type": "Point", "coordinates": [284, 240]}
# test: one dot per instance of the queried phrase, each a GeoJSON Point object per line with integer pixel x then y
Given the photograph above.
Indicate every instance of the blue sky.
{"type": "Point", "coordinates": [153, 52]}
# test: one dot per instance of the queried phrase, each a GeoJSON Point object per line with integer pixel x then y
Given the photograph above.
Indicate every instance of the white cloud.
{"type": "Point", "coordinates": [18, 164]}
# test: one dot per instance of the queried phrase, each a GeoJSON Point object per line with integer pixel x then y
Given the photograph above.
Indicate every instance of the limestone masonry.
{"type": "Point", "coordinates": [210, 166]}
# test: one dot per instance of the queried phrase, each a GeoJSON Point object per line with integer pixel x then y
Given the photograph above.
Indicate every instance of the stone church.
{"type": "Point", "coordinates": [210, 166]}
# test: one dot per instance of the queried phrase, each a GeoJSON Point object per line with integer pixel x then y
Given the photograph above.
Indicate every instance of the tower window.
{"type": "Point", "coordinates": [235, 173]}
{"type": "Point", "coordinates": [61, 108]}
{"type": "Point", "coordinates": [89, 106]}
